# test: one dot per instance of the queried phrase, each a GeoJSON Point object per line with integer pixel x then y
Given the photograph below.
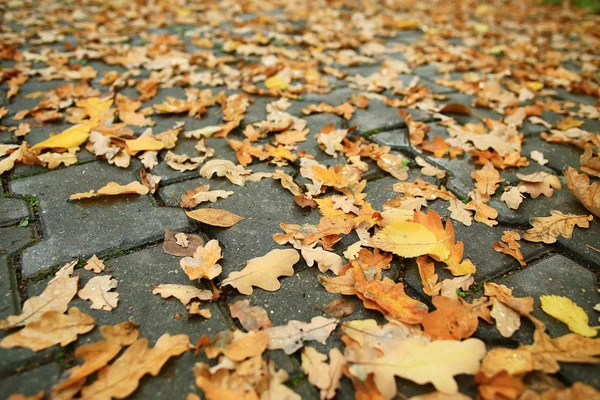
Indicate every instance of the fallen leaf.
{"type": "Point", "coordinates": [95, 264]}
{"type": "Point", "coordinates": [181, 239]}
{"type": "Point", "coordinates": [421, 361]}
{"type": "Point", "coordinates": [428, 169]}
{"type": "Point", "coordinates": [184, 293]}
{"type": "Point", "coordinates": [263, 271]}
{"type": "Point", "coordinates": [122, 377]}
{"type": "Point", "coordinates": [588, 195]}
{"type": "Point", "coordinates": [339, 308]}
{"type": "Point", "coordinates": [194, 309]}
{"type": "Point", "coordinates": [500, 386]}
{"type": "Point", "coordinates": [548, 229]}
{"type": "Point", "coordinates": [454, 319]}
{"type": "Point", "coordinates": [73, 137]}
{"type": "Point", "coordinates": [539, 183]}
{"type": "Point", "coordinates": [343, 284]}
{"type": "Point", "coordinates": [429, 278]}
{"type": "Point", "coordinates": [171, 247]}
{"type": "Point", "coordinates": [538, 157]}
{"type": "Point", "coordinates": [487, 180]}
{"type": "Point", "coordinates": [98, 290]}
{"type": "Point", "coordinates": [289, 337]}
{"type": "Point", "coordinates": [214, 217]}
{"type": "Point", "coordinates": [512, 197]}
{"type": "Point", "coordinates": [567, 311]}
{"type": "Point", "coordinates": [237, 345]}
{"type": "Point", "coordinates": [52, 328]}
{"type": "Point", "coordinates": [113, 189]}
{"type": "Point", "coordinates": [325, 377]}
{"type": "Point", "coordinates": [507, 320]}
{"type": "Point", "coordinates": [326, 260]}
{"type": "Point", "coordinates": [55, 297]}
{"type": "Point", "coordinates": [458, 212]}
{"type": "Point", "coordinates": [202, 194]}
{"type": "Point", "coordinates": [590, 162]}
{"type": "Point", "coordinates": [510, 246]}
{"type": "Point", "coordinates": [203, 263]}
{"type": "Point", "coordinates": [251, 317]}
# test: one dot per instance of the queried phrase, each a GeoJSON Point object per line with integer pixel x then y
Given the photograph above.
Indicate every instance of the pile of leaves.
{"type": "Point", "coordinates": [515, 61]}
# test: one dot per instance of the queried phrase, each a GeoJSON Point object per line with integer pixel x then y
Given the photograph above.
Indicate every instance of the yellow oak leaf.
{"type": "Point", "coordinates": [113, 189]}
{"type": "Point", "coordinates": [410, 239]}
{"type": "Point", "coordinates": [67, 139]}
{"type": "Point", "coordinates": [144, 143]}
{"type": "Point", "coordinates": [567, 311]}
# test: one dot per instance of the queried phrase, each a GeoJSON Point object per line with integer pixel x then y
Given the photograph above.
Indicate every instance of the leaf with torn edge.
{"type": "Point", "coordinates": [289, 337]}
{"type": "Point", "coordinates": [263, 271]}
{"type": "Point", "coordinates": [122, 377]}
{"type": "Point", "coordinates": [567, 311]}
{"type": "Point", "coordinates": [52, 328]}
{"type": "Point", "coordinates": [214, 217]}
{"type": "Point", "coordinates": [98, 291]}
{"type": "Point", "coordinates": [55, 297]}
{"type": "Point", "coordinates": [113, 189]}
{"type": "Point", "coordinates": [183, 293]}
{"type": "Point", "coordinates": [510, 246]}
{"type": "Point", "coordinates": [325, 377]}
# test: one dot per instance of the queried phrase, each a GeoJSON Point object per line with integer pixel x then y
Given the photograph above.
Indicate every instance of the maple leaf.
{"type": "Point", "coordinates": [548, 229]}
{"type": "Point", "coordinates": [454, 319]}
{"type": "Point", "coordinates": [251, 317]}
{"type": "Point", "coordinates": [567, 311]}
{"type": "Point", "coordinates": [421, 361]}
{"type": "Point", "coordinates": [264, 271]}
{"type": "Point", "coordinates": [98, 291]}
{"type": "Point", "coordinates": [97, 355]}
{"type": "Point", "coordinates": [215, 217]}
{"type": "Point", "coordinates": [203, 264]}
{"type": "Point", "coordinates": [52, 328]}
{"type": "Point", "coordinates": [289, 337]}
{"type": "Point", "coordinates": [55, 297]}
{"type": "Point", "coordinates": [510, 246]}
{"type": "Point", "coordinates": [113, 189]}
{"type": "Point", "coordinates": [588, 195]}
{"type": "Point", "coordinates": [184, 293]}
{"type": "Point", "coordinates": [325, 377]}
{"type": "Point", "coordinates": [122, 377]}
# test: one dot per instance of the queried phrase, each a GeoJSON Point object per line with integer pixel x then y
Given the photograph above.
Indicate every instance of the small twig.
{"type": "Point", "coordinates": [593, 248]}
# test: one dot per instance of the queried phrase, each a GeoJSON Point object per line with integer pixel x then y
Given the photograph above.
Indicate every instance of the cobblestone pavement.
{"type": "Point", "coordinates": [40, 229]}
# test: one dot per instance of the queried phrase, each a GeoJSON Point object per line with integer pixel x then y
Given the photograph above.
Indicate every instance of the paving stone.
{"type": "Point", "coordinates": [379, 117]}
{"type": "Point", "coordinates": [396, 139]}
{"type": "Point", "coordinates": [13, 210]}
{"type": "Point", "coordinates": [559, 156]}
{"type": "Point", "coordinates": [478, 113]}
{"type": "Point", "coordinates": [81, 228]}
{"type": "Point", "coordinates": [12, 239]}
{"type": "Point", "coordinates": [558, 275]}
{"type": "Point", "coordinates": [251, 237]}
{"type": "Point", "coordinates": [30, 382]}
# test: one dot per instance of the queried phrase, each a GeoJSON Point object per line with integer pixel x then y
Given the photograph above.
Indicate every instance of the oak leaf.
{"type": "Point", "coordinates": [458, 212]}
{"type": "Point", "coordinates": [454, 319]}
{"type": "Point", "coordinates": [122, 377]}
{"type": "Point", "coordinates": [194, 309]}
{"type": "Point", "coordinates": [507, 320]}
{"type": "Point", "coordinates": [289, 337]}
{"type": "Point", "coordinates": [522, 305]}
{"type": "Point", "coordinates": [73, 137]}
{"type": "Point", "coordinates": [144, 143]}
{"type": "Point", "coordinates": [512, 197]}
{"type": "Point", "coordinates": [366, 333]}
{"type": "Point", "coordinates": [343, 284]}
{"type": "Point", "coordinates": [251, 317]}
{"type": "Point", "coordinates": [171, 247]}
{"type": "Point", "coordinates": [483, 213]}
{"type": "Point", "coordinates": [184, 293]}
{"type": "Point", "coordinates": [590, 162]}
{"type": "Point", "coordinates": [113, 189]}
{"type": "Point", "coordinates": [430, 170]}
{"type": "Point", "coordinates": [539, 183]}
{"type": "Point", "coordinates": [215, 217]}
{"type": "Point", "coordinates": [55, 297]}
{"type": "Point", "coordinates": [548, 229]}
{"type": "Point", "coordinates": [421, 361]}
{"type": "Point", "coordinates": [325, 377]}
{"type": "Point", "coordinates": [263, 271]}
{"type": "Point", "coordinates": [203, 264]}
{"type": "Point", "coordinates": [567, 311]}
{"type": "Point", "coordinates": [52, 328]}
{"type": "Point", "coordinates": [202, 194]}
{"type": "Point", "coordinates": [588, 195]}
{"type": "Point", "coordinates": [339, 308]}
{"type": "Point", "coordinates": [326, 260]}
{"type": "Point", "coordinates": [94, 264]}
{"type": "Point", "coordinates": [487, 180]}
{"type": "Point", "coordinates": [429, 278]}
{"type": "Point", "coordinates": [510, 246]}
{"type": "Point", "coordinates": [98, 290]}
{"type": "Point", "coordinates": [287, 182]}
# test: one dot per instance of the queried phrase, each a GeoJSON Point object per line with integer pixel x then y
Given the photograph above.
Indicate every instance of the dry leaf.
{"type": "Point", "coordinates": [75, 136]}
{"type": "Point", "coordinates": [340, 284]}
{"type": "Point", "coordinates": [430, 170]}
{"type": "Point", "coordinates": [454, 319]}
{"type": "Point", "coordinates": [203, 264]}
{"type": "Point", "coordinates": [202, 194]}
{"type": "Point", "coordinates": [289, 337]}
{"type": "Point", "coordinates": [567, 311]}
{"type": "Point", "coordinates": [548, 229]}
{"type": "Point", "coordinates": [325, 377]}
{"type": "Point", "coordinates": [113, 189]}
{"type": "Point", "coordinates": [287, 182]}
{"type": "Point", "coordinates": [590, 162]}
{"type": "Point", "coordinates": [538, 157]}
{"type": "Point", "coordinates": [487, 180]}
{"type": "Point", "coordinates": [122, 377]}
{"type": "Point", "coordinates": [421, 361]}
{"type": "Point", "coordinates": [52, 328]}
{"type": "Point", "coordinates": [55, 297]}
{"type": "Point", "coordinates": [510, 246]}
{"type": "Point", "coordinates": [215, 217]}
{"type": "Point", "coordinates": [171, 247]}
{"type": "Point", "coordinates": [263, 271]}
{"type": "Point", "coordinates": [508, 321]}
{"type": "Point", "coordinates": [458, 212]}
{"type": "Point", "coordinates": [326, 260]}
{"type": "Point", "coordinates": [512, 197]}
{"type": "Point", "coordinates": [251, 317]}
{"type": "Point", "coordinates": [539, 183]}
{"type": "Point", "coordinates": [184, 293]}
{"type": "Point", "coordinates": [194, 309]}
{"type": "Point", "coordinates": [429, 278]}
{"type": "Point", "coordinates": [98, 291]}
{"type": "Point", "coordinates": [95, 264]}
{"type": "Point", "coordinates": [588, 195]}
{"type": "Point", "coordinates": [339, 308]}
{"type": "Point", "coordinates": [237, 345]}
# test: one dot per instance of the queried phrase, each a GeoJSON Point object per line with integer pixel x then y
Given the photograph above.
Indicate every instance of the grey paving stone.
{"type": "Point", "coordinates": [81, 228]}
{"type": "Point", "coordinates": [559, 156]}
{"type": "Point", "coordinates": [13, 210]}
{"type": "Point", "coordinates": [30, 382]}
{"type": "Point", "coordinates": [12, 239]}
{"type": "Point", "coordinates": [251, 237]}
{"type": "Point", "coordinates": [379, 117]}
{"type": "Point", "coordinates": [396, 139]}
{"type": "Point", "coordinates": [558, 275]}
